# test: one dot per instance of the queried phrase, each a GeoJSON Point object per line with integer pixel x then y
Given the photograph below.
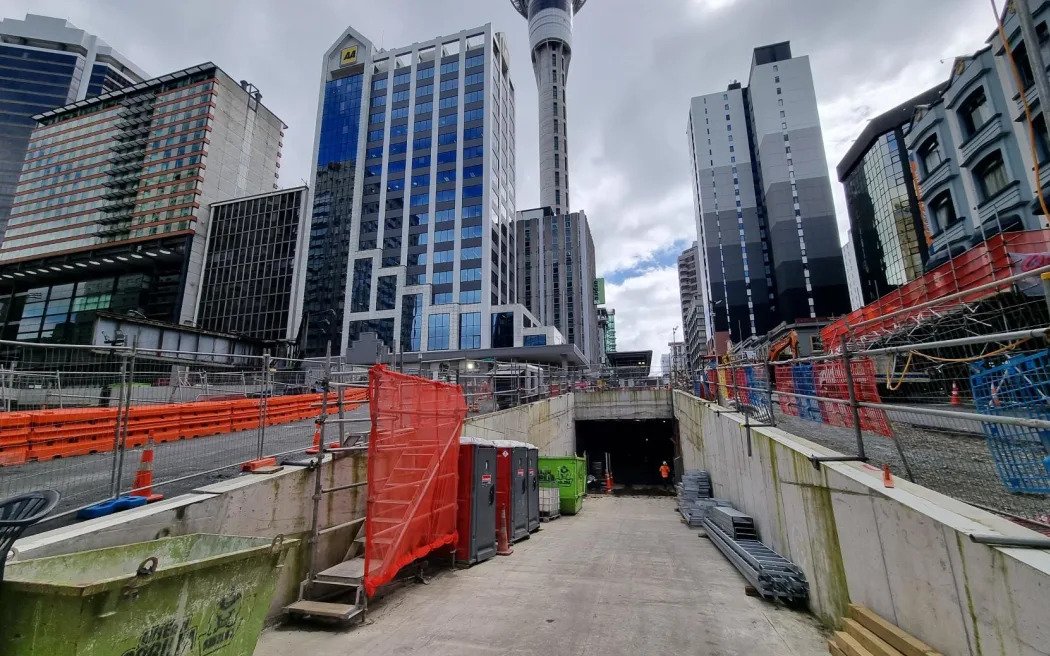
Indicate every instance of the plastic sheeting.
{"type": "Point", "coordinates": [413, 455]}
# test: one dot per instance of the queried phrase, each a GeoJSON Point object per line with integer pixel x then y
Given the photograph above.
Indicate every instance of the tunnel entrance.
{"type": "Point", "coordinates": [636, 449]}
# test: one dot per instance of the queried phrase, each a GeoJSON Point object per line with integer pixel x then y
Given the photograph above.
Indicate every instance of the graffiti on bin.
{"type": "Point", "coordinates": [180, 637]}
{"type": "Point", "coordinates": [562, 477]}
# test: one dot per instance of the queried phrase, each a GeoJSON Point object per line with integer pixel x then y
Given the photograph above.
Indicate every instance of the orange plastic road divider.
{"type": "Point", "coordinates": [27, 436]}
{"type": "Point", "coordinates": [261, 463]}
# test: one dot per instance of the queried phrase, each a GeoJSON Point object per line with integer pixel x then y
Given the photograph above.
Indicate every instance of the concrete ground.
{"type": "Point", "coordinates": [625, 576]}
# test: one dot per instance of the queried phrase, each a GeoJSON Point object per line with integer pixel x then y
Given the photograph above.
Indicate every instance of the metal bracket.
{"type": "Point", "coordinates": [816, 460]}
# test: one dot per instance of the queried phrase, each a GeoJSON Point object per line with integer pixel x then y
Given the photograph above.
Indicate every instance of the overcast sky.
{"type": "Point", "coordinates": [635, 66]}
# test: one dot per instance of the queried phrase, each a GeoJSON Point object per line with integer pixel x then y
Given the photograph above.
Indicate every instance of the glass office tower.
{"type": "Point", "coordinates": [47, 63]}
{"type": "Point", "coordinates": [412, 235]}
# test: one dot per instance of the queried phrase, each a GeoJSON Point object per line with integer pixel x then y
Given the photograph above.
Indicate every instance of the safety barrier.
{"type": "Point", "coordinates": [1020, 387]}
{"type": "Point", "coordinates": [41, 435]}
{"type": "Point", "coordinates": [413, 456]}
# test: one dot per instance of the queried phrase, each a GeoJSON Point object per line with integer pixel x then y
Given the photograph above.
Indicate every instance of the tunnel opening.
{"type": "Point", "coordinates": [635, 448]}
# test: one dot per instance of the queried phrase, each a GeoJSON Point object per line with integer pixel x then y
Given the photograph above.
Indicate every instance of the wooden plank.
{"type": "Point", "coordinates": [833, 649]}
{"type": "Point", "coordinates": [871, 642]}
{"type": "Point", "coordinates": [906, 644]}
{"type": "Point", "coordinates": [342, 612]}
{"type": "Point", "coordinates": [849, 646]}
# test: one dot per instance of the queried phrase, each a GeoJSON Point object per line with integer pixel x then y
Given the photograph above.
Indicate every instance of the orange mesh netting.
{"type": "Point", "coordinates": [413, 467]}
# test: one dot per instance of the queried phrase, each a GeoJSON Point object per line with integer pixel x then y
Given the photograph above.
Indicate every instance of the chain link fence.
{"type": "Point", "coordinates": [79, 419]}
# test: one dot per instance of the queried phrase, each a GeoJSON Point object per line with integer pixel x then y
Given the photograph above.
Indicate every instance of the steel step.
{"type": "Point", "coordinates": [350, 571]}
{"type": "Point", "coordinates": [327, 610]}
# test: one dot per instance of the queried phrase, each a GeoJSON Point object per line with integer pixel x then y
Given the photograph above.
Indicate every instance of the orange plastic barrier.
{"type": "Point", "coordinates": [64, 433]}
{"type": "Point", "coordinates": [413, 470]}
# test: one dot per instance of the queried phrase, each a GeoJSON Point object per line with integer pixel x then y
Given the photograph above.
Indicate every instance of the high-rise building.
{"type": "Point", "coordinates": [692, 298]}
{"type": "Point", "coordinates": [111, 209]}
{"type": "Point", "coordinates": [253, 273]}
{"type": "Point", "coordinates": [971, 147]}
{"type": "Point", "coordinates": [886, 226]}
{"type": "Point", "coordinates": [556, 275]}
{"type": "Point", "coordinates": [550, 41]}
{"type": "Point", "coordinates": [412, 236]}
{"type": "Point", "coordinates": [675, 363]}
{"type": "Point", "coordinates": [47, 63]}
{"type": "Point", "coordinates": [765, 216]}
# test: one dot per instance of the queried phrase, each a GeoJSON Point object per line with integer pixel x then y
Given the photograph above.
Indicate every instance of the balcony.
{"type": "Point", "coordinates": [990, 132]}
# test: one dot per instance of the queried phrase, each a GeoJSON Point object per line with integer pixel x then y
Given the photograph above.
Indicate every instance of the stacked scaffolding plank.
{"type": "Point", "coordinates": [771, 575]}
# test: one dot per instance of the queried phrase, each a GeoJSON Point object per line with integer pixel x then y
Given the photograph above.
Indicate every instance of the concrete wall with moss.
{"type": "Point", "coordinates": [549, 424]}
{"type": "Point", "coordinates": [253, 506]}
{"type": "Point", "coordinates": [904, 552]}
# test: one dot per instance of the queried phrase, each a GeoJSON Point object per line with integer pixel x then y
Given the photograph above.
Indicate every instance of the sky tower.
{"type": "Point", "coordinates": [550, 38]}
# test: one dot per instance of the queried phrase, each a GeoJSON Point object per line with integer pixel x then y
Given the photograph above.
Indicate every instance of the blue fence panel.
{"type": "Point", "coordinates": [1019, 387]}
{"type": "Point", "coordinates": [802, 374]}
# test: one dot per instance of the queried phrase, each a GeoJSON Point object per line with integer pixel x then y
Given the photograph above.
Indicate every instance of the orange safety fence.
{"type": "Point", "coordinates": [983, 264]}
{"type": "Point", "coordinates": [830, 379]}
{"type": "Point", "coordinates": [47, 434]}
{"type": "Point", "coordinates": [413, 470]}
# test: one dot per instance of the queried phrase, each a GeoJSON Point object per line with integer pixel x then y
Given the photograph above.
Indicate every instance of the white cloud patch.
{"type": "Point", "coordinates": [647, 311]}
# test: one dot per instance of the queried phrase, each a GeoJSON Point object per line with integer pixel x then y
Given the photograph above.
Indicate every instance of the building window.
{"type": "Point", "coordinates": [1042, 143]}
{"type": "Point", "coordinates": [930, 154]}
{"type": "Point", "coordinates": [942, 212]}
{"type": "Point", "coordinates": [470, 330]}
{"type": "Point", "coordinates": [990, 175]}
{"type": "Point", "coordinates": [386, 291]}
{"type": "Point", "coordinates": [974, 112]}
{"type": "Point", "coordinates": [1024, 66]}
{"type": "Point", "coordinates": [437, 332]}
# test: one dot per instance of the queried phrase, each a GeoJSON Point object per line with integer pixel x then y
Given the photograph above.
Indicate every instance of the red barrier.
{"type": "Point", "coordinates": [830, 379]}
{"type": "Point", "coordinates": [413, 456]}
{"type": "Point", "coordinates": [785, 379]}
{"type": "Point", "coordinates": [982, 264]}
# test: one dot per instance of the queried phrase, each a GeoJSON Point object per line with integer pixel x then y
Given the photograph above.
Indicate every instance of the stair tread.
{"type": "Point", "coordinates": [324, 609]}
{"type": "Point", "coordinates": [347, 570]}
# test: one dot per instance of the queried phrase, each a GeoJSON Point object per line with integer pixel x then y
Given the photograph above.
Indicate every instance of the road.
{"type": "Point", "coordinates": [624, 577]}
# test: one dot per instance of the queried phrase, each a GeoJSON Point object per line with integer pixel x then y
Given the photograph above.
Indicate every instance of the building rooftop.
{"type": "Point", "coordinates": [880, 125]}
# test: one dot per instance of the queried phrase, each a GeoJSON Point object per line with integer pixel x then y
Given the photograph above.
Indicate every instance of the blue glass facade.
{"type": "Point", "coordinates": [470, 330]}
{"type": "Point", "coordinates": [104, 78]}
{"type": "Point", "coordinates": [31, 82]}
{"type": "Point", "coordinates": [331, 225]}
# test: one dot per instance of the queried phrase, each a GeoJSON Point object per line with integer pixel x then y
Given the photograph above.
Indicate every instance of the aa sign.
{"type": "Point", "coordinates": [348, 56]}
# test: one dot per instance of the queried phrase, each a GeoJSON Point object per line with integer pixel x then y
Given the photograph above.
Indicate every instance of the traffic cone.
{"type": "Point", "coordinates": [955, 394]}
{"type": "Point", "coordinates": [502, 539]}
{"type": "Point", "coordinates": [316, 448]}
{"type": "Point", "coordinates": [143, 485]}
{"type": "Point", "coordinates": [887, 477]}
{"type": "Point", "coordinates": [608, 484]}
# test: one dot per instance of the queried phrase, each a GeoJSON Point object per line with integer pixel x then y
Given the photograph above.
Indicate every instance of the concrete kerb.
{"type": "Point", "coordinates": [904, 552]}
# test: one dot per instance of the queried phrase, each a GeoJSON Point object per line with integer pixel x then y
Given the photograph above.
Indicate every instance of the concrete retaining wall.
{"type": "Point", "coordinates": [621, 404]}
{"type": "Point", "coordinates": [254, 506]}
{"type": "Point", "coordinates": [549, 424]}
{"type": "Point", "coordinates": [903, 552]}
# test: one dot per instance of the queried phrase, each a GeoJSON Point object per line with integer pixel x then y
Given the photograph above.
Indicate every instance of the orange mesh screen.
{"type": "Point", "coordinates": [413, 460]}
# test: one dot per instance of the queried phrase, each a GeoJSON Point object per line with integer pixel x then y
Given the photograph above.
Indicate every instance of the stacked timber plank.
{"type": "Point", "coordinates": [866, 634]}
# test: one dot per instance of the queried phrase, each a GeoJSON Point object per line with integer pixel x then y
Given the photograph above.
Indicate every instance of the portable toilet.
{"type": "Point", "coordinates": [532, 459]}
{"type": "Point", "coordinates": [476, 509]}
{"type": "Point", "coordinates": [511, 485]}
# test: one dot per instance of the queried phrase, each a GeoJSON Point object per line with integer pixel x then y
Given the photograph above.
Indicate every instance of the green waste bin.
{"type": "Point", "coordinates": [569, 475]}
{"type": "Point", "coordinates": [196, 595]}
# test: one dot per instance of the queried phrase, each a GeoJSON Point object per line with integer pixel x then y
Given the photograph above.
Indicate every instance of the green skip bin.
{"type": "Point", "coordinates": [196, 595]}
{"type": "Point", "coordinates": [569, 475]}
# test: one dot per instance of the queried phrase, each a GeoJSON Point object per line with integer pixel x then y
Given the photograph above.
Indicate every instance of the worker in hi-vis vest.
{"type": "Point", "coordinates": [665, 474]}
